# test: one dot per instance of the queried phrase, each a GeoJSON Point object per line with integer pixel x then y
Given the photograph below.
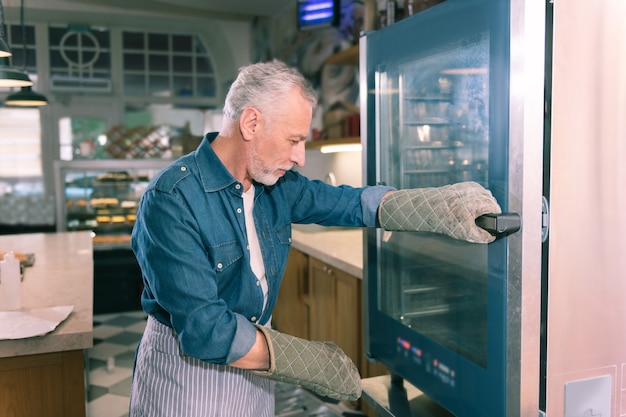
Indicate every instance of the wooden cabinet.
{"type": "Point", "coordinates": [335, 299]}
{"type": "Point", "coordinates": [349, 56]}
{"type": "Point", "coordinates": [291, 315]}
{"type": "Point", "coordinates": [318, 144]}
{"type": "Point", "coordinates": [320, 302]}
{"type": "Point", "coordinates": [48, 384]}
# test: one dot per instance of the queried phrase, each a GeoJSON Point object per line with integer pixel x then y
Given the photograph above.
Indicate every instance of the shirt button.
{"type": "Point", "coordinates": [219, 265]}
{"type": "Point", "coordinates": [183, 169]}
{"type": "Point", "coordinates": [258, 283]}
{"type": "Point", "coordinates": [237, 186]}
{"type": "Point", "coordinates": [239, 210]}
{"type": "Point", "coordinates": [253, 318]}
{"type": "Point", "coordinates": [248, 247]}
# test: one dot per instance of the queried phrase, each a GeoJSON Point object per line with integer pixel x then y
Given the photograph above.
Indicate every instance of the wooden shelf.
{"type": "Point", "coordinates": [317, 144]}
{"type": "Point", "coordinates": [348, 56]}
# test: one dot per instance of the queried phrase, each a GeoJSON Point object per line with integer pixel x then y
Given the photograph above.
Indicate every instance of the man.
{"type": "Point", "coordinates": [212, 237]}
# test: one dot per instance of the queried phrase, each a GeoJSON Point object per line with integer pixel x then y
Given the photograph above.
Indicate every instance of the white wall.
{"type": "Point", "coordinates": [345, 166]}
{"type": "Point", "coordinates": [587, 267]}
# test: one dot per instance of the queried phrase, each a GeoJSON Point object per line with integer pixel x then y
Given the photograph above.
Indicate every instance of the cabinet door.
{"type": "Point", "coordinates": [46, 384]}
{"type": "Point", "coordinates": [291, 314]}
{"type": "Point", "coordinates": [335, 308]}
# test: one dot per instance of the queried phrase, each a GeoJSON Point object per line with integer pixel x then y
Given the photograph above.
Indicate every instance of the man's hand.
{"type": "Point", "coordinates": [257, 358]}
{"type": "Point", "coordinates": [321, 367]}
{"type": "Point", "coordinates": [451, 210]}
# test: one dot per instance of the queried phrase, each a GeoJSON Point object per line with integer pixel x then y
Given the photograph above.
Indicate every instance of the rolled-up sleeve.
{"type": "Point", "coordinates": [314, 201]}
{"type": "Point", "coordinates": [370, 200]}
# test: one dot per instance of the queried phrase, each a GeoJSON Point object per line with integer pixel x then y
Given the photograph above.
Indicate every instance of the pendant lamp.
{"type": "Point", "coordinates": [11, 77]}
{"type": "Point", "coordinates": [26, 97]}
{"type": "Point", "coordinates": [4, 48]}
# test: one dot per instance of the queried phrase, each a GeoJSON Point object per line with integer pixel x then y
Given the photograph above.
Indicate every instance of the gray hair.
{"type": "Point", "coordinates": [263, 86]}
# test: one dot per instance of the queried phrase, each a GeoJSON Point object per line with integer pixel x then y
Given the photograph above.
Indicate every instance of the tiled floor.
{"type": "Point", "coordinates": [109, 370]}
{"type": "Point", "coordinates": [110, 362]}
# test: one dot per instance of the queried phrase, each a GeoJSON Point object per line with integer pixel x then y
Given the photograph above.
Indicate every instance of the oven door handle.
{"type": "Point", "coordinates": [500, 224]}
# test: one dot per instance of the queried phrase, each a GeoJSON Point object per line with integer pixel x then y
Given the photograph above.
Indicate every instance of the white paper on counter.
{"type": "Point", "coordinates": [20, 324]}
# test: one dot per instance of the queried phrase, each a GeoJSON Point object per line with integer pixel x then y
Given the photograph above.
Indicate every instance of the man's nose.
{"type": "Point", "coordinates": [298, 154]}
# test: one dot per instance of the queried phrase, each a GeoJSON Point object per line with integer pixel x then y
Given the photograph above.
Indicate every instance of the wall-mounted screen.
{"type": "Point", "coordinates": [313, 14]}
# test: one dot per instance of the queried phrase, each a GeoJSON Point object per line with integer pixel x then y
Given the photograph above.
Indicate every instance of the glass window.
{"type": "Point", "coordinates": [182, 43]}
{"type": "Point", "coordinates": [159, 63]}
{"type": "Point", "coordinates": [22, 199]}
{"type": "Point", "coordinates": [159, 85]}
{"type": "Point", "coordinates": [207, 86]}
{"type": "Point", "coordinates": [135, 84]}
{"type": "Point", "coordinates": [21, 52]}
{"type": "Point", "coordinates": [181, 63]}
{"type": "Point", "coordinates": [20, 128]}
{"type": "Point", "coordinates": [20, 151]}
{"type": "Point", "coordinates": [203, 65]}
{"type": "Point", "coordinates": [156, 68]}
{"type": "Point", "coordinates": [156, 56]}
{"type": "Point", "coordinates": [183, 86]}
{"type": "Point", "coordinates": [79, 52]}
{"type": "Point", "coordinates": [133, 40]}
{"type": "Point", "coordinates": [102, 62]}
{"type": "Point", "coordinates": [102, 38]}
{"type": "Point", "coordinates": [158, 42]}
{"type": "Point", "coordinates": [57, 61]}
{"type": "Point", "coordinates": [134, 62]}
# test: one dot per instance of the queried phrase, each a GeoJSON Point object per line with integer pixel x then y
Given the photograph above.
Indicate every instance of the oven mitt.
{"type": "Point", "coordinates": [450, 210]}
{"type": "Point", "coordinates": [321, 367]}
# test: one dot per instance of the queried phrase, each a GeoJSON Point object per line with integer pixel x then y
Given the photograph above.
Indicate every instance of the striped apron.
{"type": "Point", "coordinates": [168, 383]}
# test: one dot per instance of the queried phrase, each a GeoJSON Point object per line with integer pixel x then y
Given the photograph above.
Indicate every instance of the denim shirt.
{"type": "Point", "coordinates": [191, 243]}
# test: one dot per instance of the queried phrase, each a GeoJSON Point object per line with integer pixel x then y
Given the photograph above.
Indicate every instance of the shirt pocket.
{"type": "Point", "coordinates": [225, 256]}
{"type": "Point", "coordinates": [283, 234]}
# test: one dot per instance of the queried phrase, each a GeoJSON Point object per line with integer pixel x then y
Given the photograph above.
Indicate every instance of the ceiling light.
{"type": "Point", "coordinates": [348, 147]}
{"type": "Point", "coordinates": [11, 77]}
{"type": "Point", "coordinates": [26, 97]}
{"type": "Point", "coordinates": [4, 48]}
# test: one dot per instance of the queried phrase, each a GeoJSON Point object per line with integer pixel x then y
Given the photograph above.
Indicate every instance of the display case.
{"type": "Point", "coordinates": [102, 196]}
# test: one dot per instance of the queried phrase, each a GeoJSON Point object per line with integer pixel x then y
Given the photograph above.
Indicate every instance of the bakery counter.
{"type": "Point", "coordinates": [340, 247]}
{"type": "Point", "coordinates": [62, 274]}
{"type": "Point", "coordinates": [44, 375]}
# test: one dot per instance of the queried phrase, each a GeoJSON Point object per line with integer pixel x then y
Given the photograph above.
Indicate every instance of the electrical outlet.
{"type": "Point", "coordinates": [589, 397]}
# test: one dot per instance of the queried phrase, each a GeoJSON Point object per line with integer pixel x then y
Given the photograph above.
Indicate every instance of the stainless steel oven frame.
{"type": "Point", "coordinates": [526, 107]}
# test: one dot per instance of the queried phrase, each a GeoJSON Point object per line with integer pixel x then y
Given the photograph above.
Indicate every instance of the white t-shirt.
{"type": "Point", "coordinates": [256, 259]}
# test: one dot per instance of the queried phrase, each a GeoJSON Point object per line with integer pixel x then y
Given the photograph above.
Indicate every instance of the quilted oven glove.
{"type": "Point", "coordinates": [450, 210]}
{"type": "Point", "coordinates": [321, 367]}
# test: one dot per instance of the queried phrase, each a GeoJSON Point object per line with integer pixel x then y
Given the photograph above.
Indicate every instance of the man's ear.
{"type": "Point", "coordinates": [250, 123]}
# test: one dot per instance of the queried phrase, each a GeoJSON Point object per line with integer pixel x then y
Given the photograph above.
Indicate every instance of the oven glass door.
{"type": "Point", "coordinates": [439, 129]}
{"type": "Point", "coordinates": [436, 306]}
